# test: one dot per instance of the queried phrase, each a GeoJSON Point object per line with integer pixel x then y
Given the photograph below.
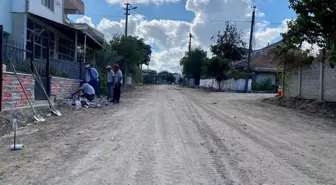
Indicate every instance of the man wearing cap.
{"type": "Point", "coordinates": [86, 90]}
{"type": "Point", "coordinates": [110, 82]}
{"type": "Point", "coordinates": [118, 82]}
{"type": "Point", "coordinates": [91, 77]}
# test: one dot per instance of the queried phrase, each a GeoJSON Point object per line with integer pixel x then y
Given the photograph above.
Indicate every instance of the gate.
{"type": "Point", "coordinates": [41, 67]}
{"type": "Point", "coordinates": [14, 53]}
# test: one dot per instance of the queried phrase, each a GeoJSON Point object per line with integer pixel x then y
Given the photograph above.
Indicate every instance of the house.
{"type": "Point", "coordinates": [38, 24]}
{"type": "Point", "coordinates": [31, 28]}
{"type": "Point", "coordinates": [261, 65]}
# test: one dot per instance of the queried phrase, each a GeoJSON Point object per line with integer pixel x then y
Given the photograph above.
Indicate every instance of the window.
{"type": "Point", "coordinates": [41, 40]}
{"type": "Point", "coordinates": [66, 50]}
{"type": "Point", "coordinates": [49, 4]}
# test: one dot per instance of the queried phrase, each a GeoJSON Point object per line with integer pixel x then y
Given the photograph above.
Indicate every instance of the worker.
{"type": "Point", "coordinates": [87, 90]}
{"type": "Point", "coordinates": [118, 82]}
{"type": "Point", "coordinates": [110, 82]}
{"type": "Point", "coordinates": [92, 77]}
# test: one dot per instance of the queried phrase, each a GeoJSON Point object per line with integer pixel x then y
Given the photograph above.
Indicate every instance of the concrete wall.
{"type": "Point", "coordinates": [63, 87]}
{"type": "Point", "coordinates": [19, 28]}
{"type": "Point", "coordinates": [306, 82]}
{"type": "Point", "coordinates": [19, 6]}
{"type": "Point", "coordinates": [227, 85]}
{"type": "Point", "coordinates": [13, 95]}
{"type": "Point", "coordinates": [6, 15]}
{"type": "Point", "coordinates": [36, 7]}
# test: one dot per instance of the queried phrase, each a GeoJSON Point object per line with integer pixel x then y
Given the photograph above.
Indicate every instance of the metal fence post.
{"type": "Point", "coordinates": [300, 80]}
{"type": "Point", "coordinates": [1, 63]}
{"type": "Point", "coordinates": [48, 72]}
{"type": "Point", "coordinates": [80, 69]}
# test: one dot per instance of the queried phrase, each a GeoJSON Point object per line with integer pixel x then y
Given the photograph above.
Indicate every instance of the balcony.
{"type": "Point", "coordinates": [74, 7]}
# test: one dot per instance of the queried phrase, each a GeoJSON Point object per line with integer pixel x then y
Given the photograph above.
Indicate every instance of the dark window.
{"type": "Point", "coordinates": [49, 4]}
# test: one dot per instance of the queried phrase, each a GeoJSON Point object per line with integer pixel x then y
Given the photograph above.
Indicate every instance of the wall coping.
{"type": "Point", "coordinates": [55, 77]}
{"type": "Point", "coordinates": [12, 73]}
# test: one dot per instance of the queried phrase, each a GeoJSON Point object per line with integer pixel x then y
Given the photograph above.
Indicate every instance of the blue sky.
{"type": "Point", "coordinates": [275, 10]}
{"type": "Point", "coordinates": [165, 24]}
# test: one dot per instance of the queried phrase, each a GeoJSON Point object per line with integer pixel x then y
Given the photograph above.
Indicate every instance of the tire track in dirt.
{"type": "Point", "coordinates": [224, 159]}
{"type": "Point", "coordinates": [176, 168]}
{"type": "Point", "coordinates": [192, 142]}
{"type": "Point", "coordinates": [314, 170]}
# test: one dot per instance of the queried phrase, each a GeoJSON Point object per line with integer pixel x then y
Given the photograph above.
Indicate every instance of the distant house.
{"type": "Point", "coordinates": [262, 65]}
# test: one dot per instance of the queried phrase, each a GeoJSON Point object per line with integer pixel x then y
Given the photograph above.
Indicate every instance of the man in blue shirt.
{"type": "Point", "coordinates": [92, 77]}
{"type": "Point", "coordinates": [87, 91]}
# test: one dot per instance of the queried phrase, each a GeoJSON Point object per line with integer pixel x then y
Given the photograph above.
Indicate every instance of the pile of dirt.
{"type": "Point", "coordinates": [25, 117]}
{"type": "Point", "coordinates": [312, 107]}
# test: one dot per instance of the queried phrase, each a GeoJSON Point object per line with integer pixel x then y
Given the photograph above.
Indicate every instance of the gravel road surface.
{"type": "Point", "coordinates": [172, 135]}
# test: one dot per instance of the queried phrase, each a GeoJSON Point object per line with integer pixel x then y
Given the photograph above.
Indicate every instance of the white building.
{"type": "Point", "coordinates": [38, 24]}
{"type": "Point", "coordinates": [177, 77]}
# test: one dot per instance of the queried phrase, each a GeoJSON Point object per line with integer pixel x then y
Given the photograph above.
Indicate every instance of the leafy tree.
{"type": "Point", "coordinates": [192, 63]}
{"type": "Point", "coordinates": [290, 56]}
{"type": "Point", "coordinates": [229, 44]}
{"type": "Point", "coordinates": [315, 24]}
{"type": "Point", "coordinates": [167, 76]}
{"type": "Point", "coordinates": [217, 68]}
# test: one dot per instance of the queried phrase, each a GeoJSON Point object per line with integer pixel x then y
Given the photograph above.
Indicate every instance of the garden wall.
{"type": "Point", "coordinates": [12, 93]}
{"type": "Point", "coordinates": [317, 82]}
{"type": "Point", "coordinates": [63, 87]}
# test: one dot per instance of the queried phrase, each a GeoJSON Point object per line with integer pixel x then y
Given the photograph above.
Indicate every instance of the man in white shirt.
{"type": "Point", "coordinates": [118, 82]}
{"type": "Point", "coordinates": [87, 90]}
{"type": "Point", "coordinates": [110, 82]}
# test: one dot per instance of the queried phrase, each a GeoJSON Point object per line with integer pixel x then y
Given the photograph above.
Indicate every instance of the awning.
{"type": "Point", "coordinates": [70, 32]}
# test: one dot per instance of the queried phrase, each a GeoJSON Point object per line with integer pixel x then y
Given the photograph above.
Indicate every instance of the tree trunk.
{"type": "Point", "coordinates": [219, 87]}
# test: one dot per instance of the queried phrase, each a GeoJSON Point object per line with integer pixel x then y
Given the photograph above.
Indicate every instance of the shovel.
{"type": "Point", "coordinates": [37, 117]}
{"type": "Point", "coordinates": [39, 81]}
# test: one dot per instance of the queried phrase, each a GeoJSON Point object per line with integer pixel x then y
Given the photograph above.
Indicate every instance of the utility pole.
{"type": "Point", "coordinates": [190, 37]}
{"type": "Point", "coordinates": [127, 9]}
{"type": "Point", "coordinates": [250, 50]}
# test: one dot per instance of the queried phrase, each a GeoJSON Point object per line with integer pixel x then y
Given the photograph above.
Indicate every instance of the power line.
{"type": "Point", "coordinates": [183, 19]}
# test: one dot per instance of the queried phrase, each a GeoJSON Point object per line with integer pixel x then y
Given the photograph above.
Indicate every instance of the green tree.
{"type": "Point", "coordinates": [315, 24]}
{"type": "Point", "coordinates": [167, 76]}
{"type": "Point", "coordinates": [192, 63]}
{"type": "Point", "coordinates": [217, 68]}
{"type": "Point", "coordinates": [229, 44]}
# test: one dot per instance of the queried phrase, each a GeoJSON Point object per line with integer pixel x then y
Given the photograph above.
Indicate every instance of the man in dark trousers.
{"type": "Point", "coordinates": [118, 82]}
{"type": "Point", "coordinates": [92, 77]}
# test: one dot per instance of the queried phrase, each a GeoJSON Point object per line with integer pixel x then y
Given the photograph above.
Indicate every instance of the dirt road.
{"type": "Point", "coordinates": [172, 135]}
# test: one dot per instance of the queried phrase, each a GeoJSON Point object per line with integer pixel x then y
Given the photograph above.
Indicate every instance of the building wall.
{"type": "Point", "coordinates": [310, 83]}
{"type": "Point", "coordinates": [6, 15]}
{"type": "Point", "coordinates": [19, 6]}
{"type": "Point", "coordinates": [19, 26]}
{"type": "Point", "coordinates": [63, 87]}
{"type": "Point", "coordinates": [13, 95]}
{"type": "Point", "coordinates": [36, 7]}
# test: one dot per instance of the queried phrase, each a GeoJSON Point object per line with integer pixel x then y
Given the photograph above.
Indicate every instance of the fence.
{"type": "Point", "coordinates": [226, 85]}
{"type": "Point", "coordinates": [12, 52]}
{"type": "Point", "coordinates": [317, 81]}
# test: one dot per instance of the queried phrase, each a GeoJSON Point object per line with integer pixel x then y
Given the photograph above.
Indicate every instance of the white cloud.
{"type": "Point", "coordinates": [170, 37]}
{"type": "Point", "coordinates": [85, 19]}
{"type": "Point", "coordinates": [157, 2]}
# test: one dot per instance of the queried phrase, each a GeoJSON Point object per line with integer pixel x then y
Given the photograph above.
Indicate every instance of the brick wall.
{"type": "Point", "coordinates": [12, 93]}
{"type": "Point", "coordinates": [310, 82]}
{"type": "Point", "coordinates": [63, 87]}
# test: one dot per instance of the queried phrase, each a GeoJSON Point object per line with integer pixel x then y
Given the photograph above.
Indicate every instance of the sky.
{"type": "Point", "coordinates": [166, 24]}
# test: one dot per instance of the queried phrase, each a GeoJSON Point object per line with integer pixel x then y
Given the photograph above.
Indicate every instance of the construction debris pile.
{"type": "Point", "coordinates": [76, 103]}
